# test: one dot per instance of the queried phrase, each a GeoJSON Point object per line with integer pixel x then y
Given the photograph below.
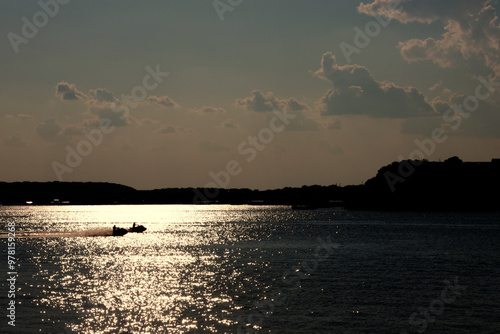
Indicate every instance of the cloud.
{"type": "Point", "coordinates": [164, 101]}
{"type": "Point", "coordinates": [295, 105]}
{"type": "Point", "coordinates": [100, 102]}
{"type": "Point", "coordinates": [230, 124]}
{"type": "Point", "coordinates": [118, 117]}
{"type": "Point", "coordinates": [170, 129]}
{"type": "Point", "coordinates": [483, 122]}
{"type": "Point", "coordinates": [356, 92]}
{"type": "Point", "coordinates": [266, 102]}
{"type": "Point", "coordinates": [423, 11]}
{"type": "Point", "coordinates": [302, 123]}
{"type": "Point", "coordinates": [25, 117]}
{"type": "Point", "coordinates": [68, 92]}
{"type": "Point", "coordinates": [209, 110]}
{"type": "Point", "coordinates": [471, 30]}
{"type": "Point", "coordinates": [436, 86]}
{"type": "Point", "coordinates": [455, 120]}
{"type": "Point", "coordinates": [102, 95]}
{"type": "Point", "coordinates": [102, 98]}
{"type": "Point", "coordinates": [439, 105]}
{"type": "Point", "coordinates": [49, 130]}
{"type": "Point", "coordinates": [260, 102]}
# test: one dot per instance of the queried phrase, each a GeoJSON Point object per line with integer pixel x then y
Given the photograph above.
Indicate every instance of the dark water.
{"type": "Point", "coordinates": [244, 269]}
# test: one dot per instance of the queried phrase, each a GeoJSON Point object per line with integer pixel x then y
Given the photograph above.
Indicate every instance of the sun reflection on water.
{"type": "Point", "coordinates": [177, 277]}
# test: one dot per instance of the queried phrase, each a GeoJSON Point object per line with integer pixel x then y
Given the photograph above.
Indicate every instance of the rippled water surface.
{"type": "Point", "coordinates": [240, 269]}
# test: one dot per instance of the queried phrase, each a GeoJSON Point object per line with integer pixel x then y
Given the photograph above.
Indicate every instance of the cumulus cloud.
{"type": "Point", "coordinates": [356, 92]}
{"type": "Point", "coordinates": [68, 92]}
{"type": "Point", "coordinates": [102, 95]}
{"type": "Point", "coordinates": [101, 98]}
{"type": "Point", "coordinates": [210, 110]}
{"type": "Point", "coordinates": [265, 102]}
{"type": "Point", "coordinates": [164, 101]}
{"type": "Point", "coordinates": [471, 29]}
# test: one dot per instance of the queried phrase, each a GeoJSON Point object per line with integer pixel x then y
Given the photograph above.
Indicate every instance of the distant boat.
{"type": "Point", "coordinates": [118, 231]}
{"type": "Point", "coordinates": [137, 228]}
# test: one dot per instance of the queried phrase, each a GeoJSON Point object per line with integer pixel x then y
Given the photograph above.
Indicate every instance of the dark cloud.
{"type": "Point", "coordinates": [261, 102]}
{"type": "Point", "coordinates": [68, 92]}
{"type": "Point", "coordinates": [356, 92]}
{"type": "Point", "coordinates": [102, 95]}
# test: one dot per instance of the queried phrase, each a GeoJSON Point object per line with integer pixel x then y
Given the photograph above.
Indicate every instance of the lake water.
{"type": "Point", "coordinates": [245, 269]}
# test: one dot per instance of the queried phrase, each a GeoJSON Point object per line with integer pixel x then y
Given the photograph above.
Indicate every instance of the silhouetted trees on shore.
{"type": "Point", "coordinates": [405, 185]}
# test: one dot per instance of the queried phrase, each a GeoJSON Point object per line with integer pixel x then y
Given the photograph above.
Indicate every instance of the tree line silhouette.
{"type": "Point", "coordinates": [405, 185]}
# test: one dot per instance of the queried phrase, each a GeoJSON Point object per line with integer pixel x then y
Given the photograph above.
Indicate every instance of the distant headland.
{"type": "Point", "coordinates": [405, 185]}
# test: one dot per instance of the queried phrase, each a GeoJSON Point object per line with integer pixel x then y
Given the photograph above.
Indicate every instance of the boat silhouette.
{"type": "Point", "coordinates": [119, 231]}
{"type": "Point", "coordinates": [137, 228]}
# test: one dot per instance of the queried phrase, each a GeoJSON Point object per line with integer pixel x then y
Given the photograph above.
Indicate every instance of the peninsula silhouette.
{"type": "Point", "coordinates": [406, 185]}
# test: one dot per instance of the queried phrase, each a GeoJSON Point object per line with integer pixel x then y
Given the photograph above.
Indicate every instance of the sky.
{"type": "Point", "coordinates": [240, 93]}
